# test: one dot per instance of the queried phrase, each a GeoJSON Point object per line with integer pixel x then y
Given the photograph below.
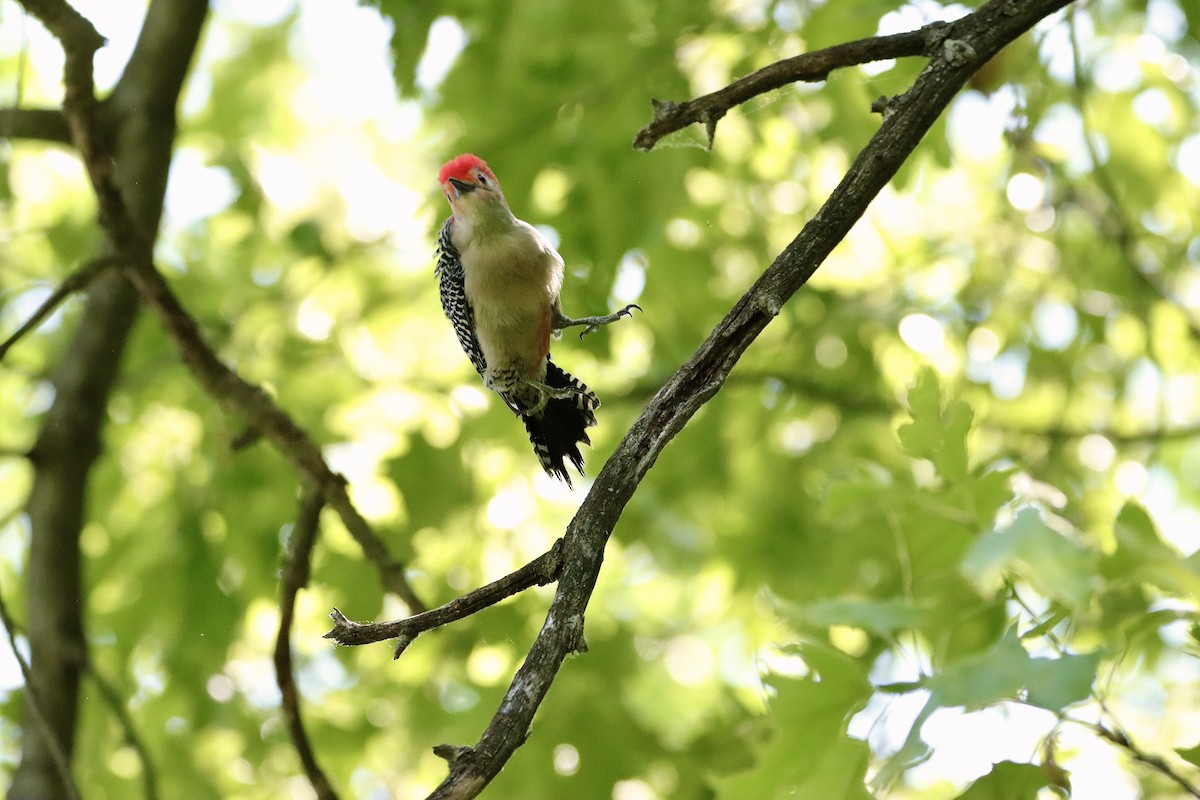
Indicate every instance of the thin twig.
{"type": "Point", "coordinates": [1116, 734]}
{"type": "Point", "coordinates": [539, 572]}
{"type": "Point", "coordinates": [116, 704]}
{"type": "Point", "coordinates": [296, 566]}
{"type": "Point", "coordinates": [77, 281]}
{"type": "Point", "coordinates": [1119, 227]}
{"type": "Point", "coordinates": [1150, 436]}
{"type": "Point", "coordinates": [1154, 762]}
{"type": "Point", "coordinates": [812, 67]}
{"type": "Point", "coordinates": [33, 704]}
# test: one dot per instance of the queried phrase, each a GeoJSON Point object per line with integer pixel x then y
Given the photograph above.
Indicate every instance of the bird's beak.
{"type": "Point", "coordinates": [462, 187]}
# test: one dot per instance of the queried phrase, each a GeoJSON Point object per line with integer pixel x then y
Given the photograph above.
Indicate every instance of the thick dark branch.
{"type": "Point", "coordinates": [969, 43]}
{"type": "Point", "coordinates": [41, 124]}
{"type": "Point", "coordinates": [158, 65]}
{"type": "Point", "coordinates": [68, 444]}
{"type": "Point", "coordinates": [77, 281]}
{"type": "Point", "coordinates": [806, 67]}
{"type": "Point", "coordinates": [296, 569]}
{"type": "Point", "coordinates": [539, 572]}
{"type": "Point", "coordinates": [67, 25]}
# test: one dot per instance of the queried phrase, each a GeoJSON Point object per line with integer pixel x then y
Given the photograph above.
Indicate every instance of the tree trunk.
{"type": "Point", "coordinates": [69, 443]}
{"type": "Point", "coordinates": [140, 122]}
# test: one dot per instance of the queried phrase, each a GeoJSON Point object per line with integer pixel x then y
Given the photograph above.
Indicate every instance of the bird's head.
{"type": "Point", "coordinates": [468, 183]}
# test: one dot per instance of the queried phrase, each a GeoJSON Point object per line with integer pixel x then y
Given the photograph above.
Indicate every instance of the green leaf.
{"type": "Point", "coordinates": [1005, 670]}
{"type": "Point", "coordinates": [938, 430]}
{"type": "Point", "coordinates": [410, 29]}
{"type": "Point", "coordinates": [1054, 565]}
{"type": "Point", "coordinates": [1056, 683]}
{"type": "Point", "coordinates": [1008, 781]}
{"type": "Point", "coordinates": [1141, 556]}
{"type": "Point", "coordinates": [810, 754]}
{"type": "Point", "coordinates": [876, 616]}
{"type": "Point", "coordinates": [1190, 754]}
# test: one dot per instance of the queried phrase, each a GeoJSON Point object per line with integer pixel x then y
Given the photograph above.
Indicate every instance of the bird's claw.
{"type": "Point", "coordinates": [538, 407]}
{"type": "Point", "coordinates": [598, 322]}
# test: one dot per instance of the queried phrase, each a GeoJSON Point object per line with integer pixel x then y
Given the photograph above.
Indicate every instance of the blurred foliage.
{"type": "Point", "coordinates": [940, 514]}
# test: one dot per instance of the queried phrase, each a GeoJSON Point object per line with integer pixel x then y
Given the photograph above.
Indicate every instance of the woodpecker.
{"type": "Point", "coordinates": [499, 280]}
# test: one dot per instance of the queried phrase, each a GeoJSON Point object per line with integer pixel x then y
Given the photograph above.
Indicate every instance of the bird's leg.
{"type": "Point", "coordinates": [561, 320]}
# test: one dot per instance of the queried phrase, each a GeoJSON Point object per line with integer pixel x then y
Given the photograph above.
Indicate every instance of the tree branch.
{"type": "Point", "coordinates": [80, 41]}
{"type": "Point", "coordinates": [41, 124]}
{"type": "Point", "coordinates": [33, 705]}
{"type": "Point", "coordinates": [71, 28]}
{"type": "Point", "coordinates": [117, 705]}
{"type": "Point", "coordinates": [968, 43]}
{"type": "Point", "coordinates": [1121, 230]}
{"type": "Point", "coordinates": [296, 566]}
{"type": "Point", "coordinates": [1157, 763]}
{"type": "Point", "coordinates": [251, 402]}
{"type": "Point", "coordinates": [77, 281]}
{"type": "Point", "coordinates": [67, 446]}
{"type": "Point", "coordinates": [813, 67]}
{"type": "Point", "coordinates": [539, 572]}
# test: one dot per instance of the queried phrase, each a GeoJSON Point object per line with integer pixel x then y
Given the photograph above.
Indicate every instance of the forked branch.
{"type": "Point", "coordinates": [812, 67]}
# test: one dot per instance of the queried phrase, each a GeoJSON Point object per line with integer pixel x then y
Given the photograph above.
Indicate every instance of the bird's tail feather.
{"type": "Point", "coordinates": [557, 431]}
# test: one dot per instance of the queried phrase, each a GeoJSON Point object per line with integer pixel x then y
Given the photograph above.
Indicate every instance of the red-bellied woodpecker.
{"type": "Point", "coordinates": [500, 281]}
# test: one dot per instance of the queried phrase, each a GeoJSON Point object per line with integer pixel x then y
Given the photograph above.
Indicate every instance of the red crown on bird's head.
{"type": "Point", "coordinates": [460, 167]}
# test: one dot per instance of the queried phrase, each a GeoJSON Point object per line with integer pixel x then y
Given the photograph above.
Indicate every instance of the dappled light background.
{"type": "Point", "coordinates": [930, 451]}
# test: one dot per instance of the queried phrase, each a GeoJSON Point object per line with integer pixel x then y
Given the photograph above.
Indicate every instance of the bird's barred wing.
{"type": "Point", "coordinates": [453, 290]}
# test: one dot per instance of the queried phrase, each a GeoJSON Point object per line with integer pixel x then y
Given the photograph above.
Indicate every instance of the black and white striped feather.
{"type": "Point", "coordinates": [558, 429]}
{"type": "Point", "coordinates": [453, 289]}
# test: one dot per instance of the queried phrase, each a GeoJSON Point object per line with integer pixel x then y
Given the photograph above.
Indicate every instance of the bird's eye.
{"type": "Point", "coordinates": [482, 179]}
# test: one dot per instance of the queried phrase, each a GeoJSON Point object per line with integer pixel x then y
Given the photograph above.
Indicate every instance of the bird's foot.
{"type": "Point", "coordinates": [594, 323]}
{"type": "Point", "coordinates": [547, 393]}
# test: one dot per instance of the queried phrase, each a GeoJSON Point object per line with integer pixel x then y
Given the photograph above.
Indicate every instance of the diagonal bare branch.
{"type": "Point", "coordinates": [77, 281]}
{"type": "Point", "coordinates": [71, 28]}
{"type": "Point", "coordinates": [33, 704]}
{"type": "Point", "coordinates": [539, 572]}
{"type": "Point", "coordinates": [256, 406]}
{"type": "Point", "coordinates": [812, 67]}
{"type": "Point", "coordinates": [118, 706]}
